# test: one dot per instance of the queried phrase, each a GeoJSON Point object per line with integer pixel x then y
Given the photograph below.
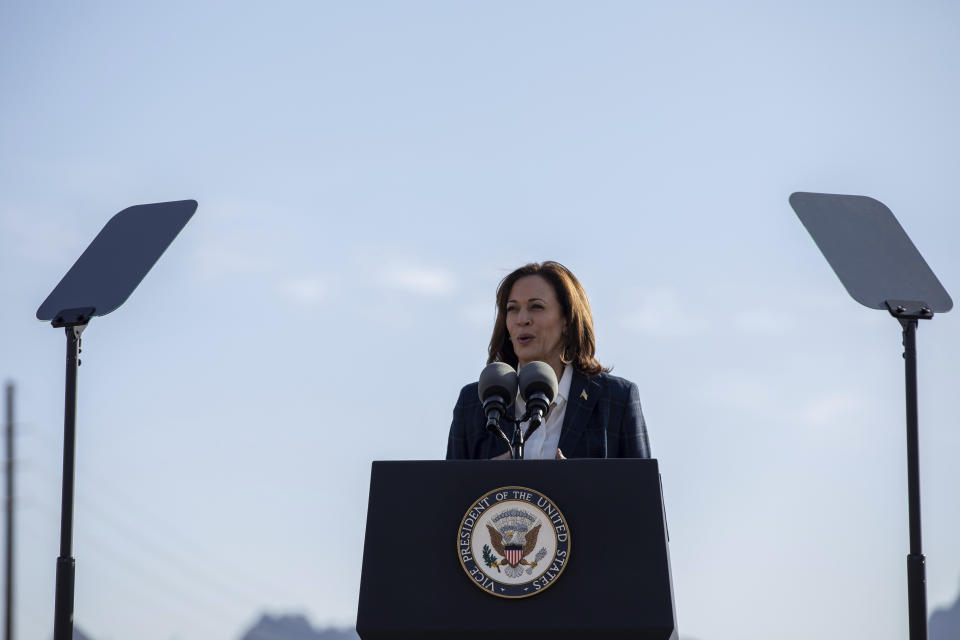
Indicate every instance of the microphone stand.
{"type": "Point", "coordinates": [515, 446]}
{"type": "Point", "coordinates": [520, 438]}
{"type": "Point", "coordinates": [497, 431]}
{"type": "Point", "coordinates": [536, 418]}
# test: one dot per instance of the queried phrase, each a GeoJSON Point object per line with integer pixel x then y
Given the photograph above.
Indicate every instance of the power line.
{"type": "Point", "coordinates": [8, 576]}
{"type": "Point", "coordinates": [215, 588]}
{"type": "Point", "coordinates": [150, 586]}
{"type": "Point", "coordinates": [159, 528]}
{"type": "Point", "coordinates": [158, 546]}
{"type": "Point", "coordinates": [169, 556]}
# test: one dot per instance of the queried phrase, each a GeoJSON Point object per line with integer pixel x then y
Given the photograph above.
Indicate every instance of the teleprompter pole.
{"type": "Point", "coordinates": [909, 313]}
{"type": "Point", "coordinates": [63, 603]}
{"type": "Point", "coordinates": [916, 570]}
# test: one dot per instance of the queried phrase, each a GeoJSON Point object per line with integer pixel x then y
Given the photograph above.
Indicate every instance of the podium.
{"type": "Point", "coordinates": [541, 548]}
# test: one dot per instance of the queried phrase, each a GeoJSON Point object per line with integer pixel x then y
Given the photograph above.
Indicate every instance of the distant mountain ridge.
{"type": "Point", "coordinates": [293, 627]}
{"type": "Point", "coordinates": [944, 623]}
{"type": "Point", "coordinates": [79, 635]}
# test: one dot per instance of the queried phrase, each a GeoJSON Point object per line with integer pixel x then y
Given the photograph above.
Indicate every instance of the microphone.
{"type": "Point", "coordinates": [497, 389]}
{"type": "Point", "coordinates": [538, 388]}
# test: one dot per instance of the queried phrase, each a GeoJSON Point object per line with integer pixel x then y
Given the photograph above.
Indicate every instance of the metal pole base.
{"type": "Point", "coordinates": [63, 606]}
{"type": "Point", "coordinates": [917, 596]}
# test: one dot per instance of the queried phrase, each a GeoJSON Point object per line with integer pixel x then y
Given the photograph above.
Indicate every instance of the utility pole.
{"type": "Point", "coordinates": [8, 578]}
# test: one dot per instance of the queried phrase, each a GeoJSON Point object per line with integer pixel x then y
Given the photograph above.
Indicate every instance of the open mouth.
{"type": "Point", "coordinates": [524, 340]}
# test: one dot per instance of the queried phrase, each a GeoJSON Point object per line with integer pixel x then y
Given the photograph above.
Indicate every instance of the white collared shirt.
{"type": "Point", "coordinates": [543, 442]}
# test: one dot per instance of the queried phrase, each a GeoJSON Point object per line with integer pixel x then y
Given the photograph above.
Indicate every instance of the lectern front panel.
{"type": "Point", "coordinates": [615, 579]}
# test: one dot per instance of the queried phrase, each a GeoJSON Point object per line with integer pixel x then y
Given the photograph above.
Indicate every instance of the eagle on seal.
{"type": "Point", "coordinates": [514, 537]}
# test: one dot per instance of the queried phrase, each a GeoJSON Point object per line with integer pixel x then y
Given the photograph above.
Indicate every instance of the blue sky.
{"type": "Point", "coordinates": [366, 174]}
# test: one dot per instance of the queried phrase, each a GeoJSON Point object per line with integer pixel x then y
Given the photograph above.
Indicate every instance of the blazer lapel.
{"type": "Point", "coordinates": [584, 394]}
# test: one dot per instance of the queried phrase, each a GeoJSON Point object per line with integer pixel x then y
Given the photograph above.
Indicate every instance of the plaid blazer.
{"type": "Point", "coordinates": [602, 420]}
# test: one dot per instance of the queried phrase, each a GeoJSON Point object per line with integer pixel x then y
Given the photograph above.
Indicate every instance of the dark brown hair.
{"type": "Point", "coordinates": [579, 344]}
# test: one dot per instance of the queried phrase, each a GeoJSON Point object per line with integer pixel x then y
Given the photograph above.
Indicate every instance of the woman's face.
{"type": "Point", "coordinates": [535, 321]}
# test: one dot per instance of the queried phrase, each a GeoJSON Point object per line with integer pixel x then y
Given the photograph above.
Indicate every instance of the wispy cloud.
{"type": "Point", "coordinates": [479, 314]}
{"type": "Point", "coordinates": [233, 239]}
{"type": "Point", "coordinates": [757, 396]}
{"type": "Point", "coordinates": [743, 391]}
{"type": "Point", "coordinates": [223, 261]}
{"type": "Point", "coordinates": [770, 322]}
{"type": "Point", "coordinates": [308, 290]}
{"type": "Point", "coordinates": [44, 237]}
{"type": "Point", "coordinates": [426, 281]}
{"type": "Point", "coordinates": [834, 408]}
{"type": "Point", "coordinates": [663, 313]}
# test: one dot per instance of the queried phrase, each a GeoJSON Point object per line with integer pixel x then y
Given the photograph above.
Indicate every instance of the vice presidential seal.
{"type": "Point", "coordinates": [513, 542]}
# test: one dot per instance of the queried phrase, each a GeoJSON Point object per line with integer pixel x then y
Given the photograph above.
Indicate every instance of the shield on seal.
{"type": "Point", "coordinates": [514, 554]}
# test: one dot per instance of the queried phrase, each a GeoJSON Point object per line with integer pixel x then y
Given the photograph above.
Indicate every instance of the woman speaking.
{"type": "Point", "coordinates": [543, 314]}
